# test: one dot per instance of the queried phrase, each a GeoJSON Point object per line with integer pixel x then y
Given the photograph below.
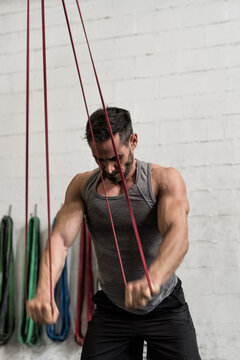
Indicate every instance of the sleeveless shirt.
{"type": "Point", "coordinates": [144, 205]}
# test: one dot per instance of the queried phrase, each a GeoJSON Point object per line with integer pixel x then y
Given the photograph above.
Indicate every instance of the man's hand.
{"type": "Point", "coordinates": [39, 309]}
{"type": "Point", "coordinates": [137, 293]}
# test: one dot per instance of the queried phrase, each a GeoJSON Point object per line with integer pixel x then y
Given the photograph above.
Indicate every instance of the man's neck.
{"type": "Point", "coordinates": [131, 177]}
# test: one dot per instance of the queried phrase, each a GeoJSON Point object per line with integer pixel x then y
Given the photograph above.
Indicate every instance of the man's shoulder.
{"type": "Point", "coordinates": [78, 182]}
{"type": "Point", "coordinates": [163, 171]}
{"type": "Point", "coordinates": [166, 179]}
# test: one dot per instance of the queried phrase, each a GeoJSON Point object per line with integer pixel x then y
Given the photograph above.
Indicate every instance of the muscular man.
{"type": "Point", "coordinates": [126, 315]}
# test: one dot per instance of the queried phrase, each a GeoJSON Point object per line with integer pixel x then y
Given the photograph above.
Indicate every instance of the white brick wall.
{"type": "Point", "coordinates": [175, 65]}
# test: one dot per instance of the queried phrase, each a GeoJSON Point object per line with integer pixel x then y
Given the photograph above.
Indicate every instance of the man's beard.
{"type": "Point", "coordinates": [115, 176]}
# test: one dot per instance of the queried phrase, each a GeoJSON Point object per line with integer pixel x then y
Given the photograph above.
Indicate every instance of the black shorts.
{"type": "Point", "coordinates": [116, 334]}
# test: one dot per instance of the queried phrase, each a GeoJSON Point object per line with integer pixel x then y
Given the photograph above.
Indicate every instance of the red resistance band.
{"type": "Point", "coordinates": [46, 143]}
{"type": "Point", "coordinates": [95, 147]}
{"type": "Point", "coordinates": [47, 148]}
{"type": "Point", "coordinates": [115, 151]}
{"type": "Point", "coordinates": [27, 149]}
{"type": "Point", "coordinates": [85, 283]}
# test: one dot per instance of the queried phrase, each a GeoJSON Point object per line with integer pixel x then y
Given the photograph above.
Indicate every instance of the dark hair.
{"type": "Point", "coordinates": [120, 121]}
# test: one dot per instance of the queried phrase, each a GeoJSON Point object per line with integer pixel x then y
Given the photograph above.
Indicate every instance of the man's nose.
{"type": "Point", "coordinates": [110, 167]}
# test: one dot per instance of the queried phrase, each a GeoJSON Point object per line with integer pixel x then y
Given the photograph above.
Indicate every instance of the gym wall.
{"type": "Point", "coordinates": [175, 64]}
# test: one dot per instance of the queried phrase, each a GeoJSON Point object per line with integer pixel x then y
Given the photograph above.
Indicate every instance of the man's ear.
{"type": "Point", "coordinates": [133, 141]}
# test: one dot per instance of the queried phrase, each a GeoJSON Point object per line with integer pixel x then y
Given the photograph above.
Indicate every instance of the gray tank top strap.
{"type": "Point", "coordinates": [90, 183]}
{"type": "Point", "coordinates": [144, 182]}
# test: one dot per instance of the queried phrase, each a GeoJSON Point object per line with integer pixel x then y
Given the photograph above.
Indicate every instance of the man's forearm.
{"type": "Point", "coordinates": [58, 255]}
{"type": "Point", "coordinates": [170, 255]}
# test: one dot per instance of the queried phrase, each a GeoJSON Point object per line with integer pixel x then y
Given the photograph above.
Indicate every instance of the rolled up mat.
{"type": "Point", "coordinates": [7, 313]}
{"type": "Point", "coordinates": [85, 276]}
{"type": "Point", "coordinates": [59, 331]}
{"type": "Point", "coordinates": [29, 332]}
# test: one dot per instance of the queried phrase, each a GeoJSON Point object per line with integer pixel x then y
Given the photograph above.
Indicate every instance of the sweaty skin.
{"type": "Point", "coordinates": [173, 208]}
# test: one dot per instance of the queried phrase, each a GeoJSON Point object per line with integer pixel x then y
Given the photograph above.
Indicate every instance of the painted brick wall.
{"type": "Point", "coordinates": [175, 64]}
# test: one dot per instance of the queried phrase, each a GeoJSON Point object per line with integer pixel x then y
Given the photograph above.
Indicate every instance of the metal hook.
{"type": "Point", "coordinates": [35, 210]}
{"type": "Point", "coordinates": [10, 210]}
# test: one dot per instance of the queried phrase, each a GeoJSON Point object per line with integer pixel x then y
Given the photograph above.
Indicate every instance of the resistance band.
{"type": "Point", "coordinates": [60, 330]}
{"type": "Point", "coordinates": [27, 140]}
{"type": "Point", "coordinates": [47, 150]}
{"type": "Point", "coordinates": [86, 107]}
{"type": "Point", "coordinates": [115, 151]}
{"type": "Point", "coordinates": [29, 332]}
{"type": "Point", "coordinates": [85, 283]}
{"type": "Point", "coordinates": [7, 313]}
{"type": "Point", "coordinates": [47, 147]}
{"type": "Point", "coordinates": [46, 142]}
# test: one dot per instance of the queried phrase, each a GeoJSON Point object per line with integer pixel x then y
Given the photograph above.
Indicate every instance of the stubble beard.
{"type": "Point", "coordinates": [115, 177]}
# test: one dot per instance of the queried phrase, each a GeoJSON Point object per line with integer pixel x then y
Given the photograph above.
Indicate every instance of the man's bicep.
{"type": "Point", "coordinates": [173, 205]}
{"type": "Point", "coordinates": [68, 222]}
{"type": "Point", "coordinates": [70, 216]}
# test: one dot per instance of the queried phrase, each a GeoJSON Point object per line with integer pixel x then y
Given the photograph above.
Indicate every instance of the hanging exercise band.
{"type": "Point", "coordinates": [95, 147]}
{"type": "Point", "coordinates": [27, 141]}
{"type": "Point", "coordinates": [7, 313]}
{"type": "Point", "coordinates": [85, 283]}
{"type": "Point", "coordinates": [29, 332]}
{"type": "Point", "coordinates": [59, 332]}
{"type": "Point", "coordinates": [47, 148]}
{"type": "Point", "coordinates": [114, 147]}
{"type": "Point", "coordinates": [46, 144]}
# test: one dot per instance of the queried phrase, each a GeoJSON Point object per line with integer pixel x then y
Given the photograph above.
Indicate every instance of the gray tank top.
{"type": "Point", "coordinates": [144, 206]}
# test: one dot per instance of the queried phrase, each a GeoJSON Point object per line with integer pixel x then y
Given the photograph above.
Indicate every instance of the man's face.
{"type": "Point", "coordinates": [108, 161]}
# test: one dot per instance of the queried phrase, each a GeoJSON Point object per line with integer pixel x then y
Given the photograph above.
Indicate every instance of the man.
{"type": "Point", "coordinates": [126, 315]}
